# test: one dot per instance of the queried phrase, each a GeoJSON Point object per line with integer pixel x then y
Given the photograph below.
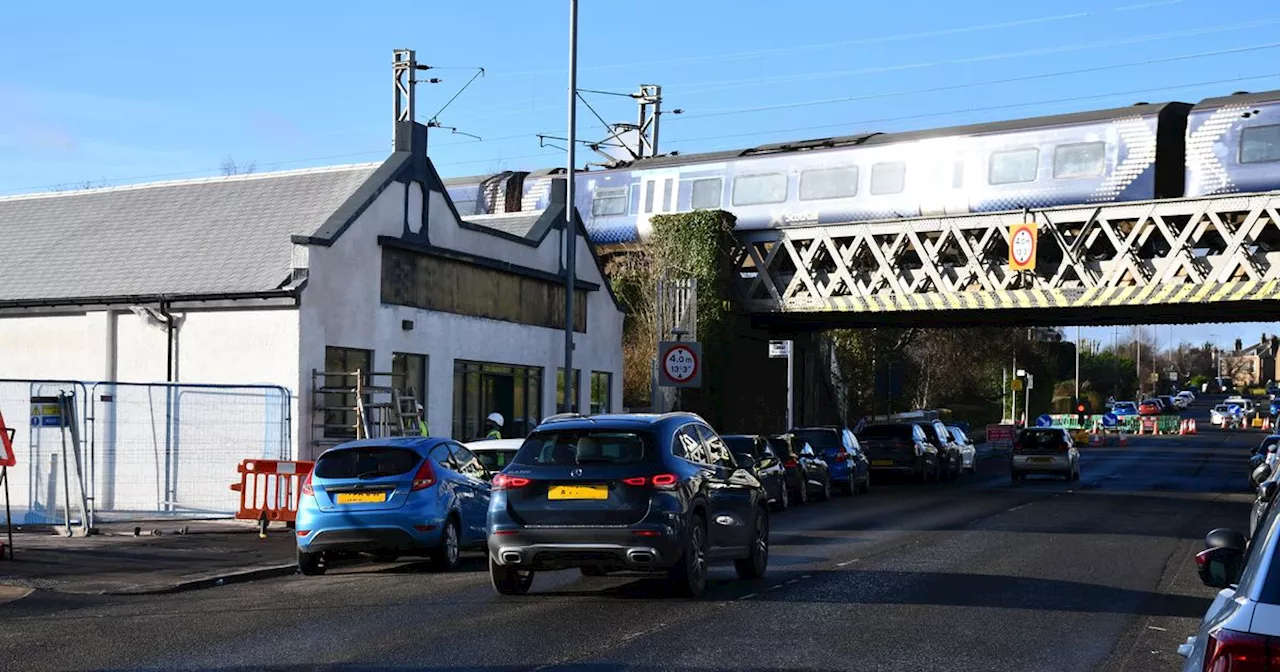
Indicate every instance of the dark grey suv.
{"type": "Point", "coordinates": [651, 493]}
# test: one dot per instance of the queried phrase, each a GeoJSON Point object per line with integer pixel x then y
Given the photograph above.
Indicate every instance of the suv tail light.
{"type": "Point", "coordinates": [307, 490]}
{"type": "Point", "coordinates": [660, 481]}
{"type": "Point", "coordinates": [841, 456]}
{"type": "Point", "coordinates": [507, 482]}
{"type": "Point", "coordinates": [791, 463]}
{"type": "Point", "coordinates": [426, 476]}
{"type": "Point", "coordinates": [1231, 651]}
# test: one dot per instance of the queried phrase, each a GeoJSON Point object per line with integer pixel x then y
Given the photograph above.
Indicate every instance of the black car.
{"type": "Point", "coordinates": [901, 448]}
{"type": "Point", "coordinates": [849, 469]}
{"type": "Point", "coordinates": [950, 459]}
{"type": "Point", "coordinates": [651, 493]}
{"type": "Point", "coordinates": [807, 473]}
{"type": "Point", "coordinates": [768, 467]}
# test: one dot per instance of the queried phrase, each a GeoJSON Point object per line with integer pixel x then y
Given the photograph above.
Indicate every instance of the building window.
{"type": "Point", "coordinates": [450, 286]}
{"type": "Point", "coordinates": [574, 396]}
{"type": "Point", "coordinates": [340, 367]}
{"type": "Point", "coordinates": [824, 183]}
{"type": "Point", "coordinates": [1084, 159]}
{"type": "Point", "coordinates": [705, 193]}
{"type": "Point", "coordinates": [609, 202]}
{"type": "Point", "coordinates": [409, 375]}
{"type": "Point", "coordinates": [1260, 144]}
{"type": "Point", "coordinates": [888, 178]}
{"type": "Point", "coordinates": [1013, 166]}
{"type": "Point", "coordinates": [481, 388]}
{"type": "Point", "coordinates": [601, 387]}
{"type": "Point", "coordinates": [760, 189]}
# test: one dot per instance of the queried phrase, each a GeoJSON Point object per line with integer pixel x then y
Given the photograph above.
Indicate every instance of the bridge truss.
{"type": "Point", "coordinates": [1093, 264]}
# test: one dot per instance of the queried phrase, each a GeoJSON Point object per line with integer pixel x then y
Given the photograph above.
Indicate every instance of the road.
{"type": "Point", "coordinates": [982, 575]}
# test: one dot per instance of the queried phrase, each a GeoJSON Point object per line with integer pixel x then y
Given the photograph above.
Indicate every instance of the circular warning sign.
{"type": "Point", "coordinates": [680, 364]}
{"type": "Point", "coordinates": [1022, 247]}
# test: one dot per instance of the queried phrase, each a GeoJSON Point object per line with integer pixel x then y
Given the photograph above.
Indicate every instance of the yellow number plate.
{"type": "Point", "coordinates": [882, 463]}
{"type": "Point", "coordinates": [361, 497]}
{"type": "Point", "coordinates": [578, 492]}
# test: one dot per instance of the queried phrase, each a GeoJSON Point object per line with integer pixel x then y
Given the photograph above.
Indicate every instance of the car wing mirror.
{"type": "Point", "coordinates": [1220, 567]}
{"type": "Point", "coordinates": [1267, 491]}
{"type": "Point", "coordinates": [1261, 473]}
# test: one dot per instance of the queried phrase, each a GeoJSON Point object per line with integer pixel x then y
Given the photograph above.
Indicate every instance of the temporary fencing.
{"type": "Point", "coordinates": [270, 490]}
{"type": "Point", "coordinates": [145, 450]}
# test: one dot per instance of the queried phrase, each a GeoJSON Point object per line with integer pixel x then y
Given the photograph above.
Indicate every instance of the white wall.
{"type": "Point", "coordinates": [342, 307]}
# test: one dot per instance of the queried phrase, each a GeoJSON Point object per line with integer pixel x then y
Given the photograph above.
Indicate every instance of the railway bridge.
{"type": "Point", "coordinates": [1150, 262]}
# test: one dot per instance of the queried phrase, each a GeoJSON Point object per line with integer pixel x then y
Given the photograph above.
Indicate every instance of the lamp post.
{"type": "Point", "coordinates": [570, 230]}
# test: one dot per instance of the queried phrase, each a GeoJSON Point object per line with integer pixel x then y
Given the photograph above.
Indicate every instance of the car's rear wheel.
{"type": "Point", "coordinates": [445, 556]}
{"type": "Point", "coordinates": [826, 488]}
{"type": "Point", "coordinates": [865, 488]}
{"type": "Point", "coordinates": [784, 498]}
{"type": "Point", "coordinates": [508, 581]}
{"type": "Point", "coordinates": [688, 577]}
{"type": "Point", "coordinates": [802, 494]}
{"type": "Point", "coordinates": [757, 561]}
{"type": "Point", "coordinates": [592, 571]}
{"type": "Point", "coordinates": [310, 564]}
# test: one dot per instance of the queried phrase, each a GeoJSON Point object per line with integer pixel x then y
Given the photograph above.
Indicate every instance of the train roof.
{"type": "Point", "coordinates": [873, 139]}
{"type": "Point", "coordinates": [1239, 98]}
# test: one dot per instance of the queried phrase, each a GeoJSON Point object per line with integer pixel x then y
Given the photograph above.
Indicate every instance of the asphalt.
{"type": "Point", "coordinates": [981, 575]}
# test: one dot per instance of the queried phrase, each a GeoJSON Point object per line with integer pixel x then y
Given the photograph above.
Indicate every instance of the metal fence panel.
{"type": "Point", "coordinates": [38, 482]}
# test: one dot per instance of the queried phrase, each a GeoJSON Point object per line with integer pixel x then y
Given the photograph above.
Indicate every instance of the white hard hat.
{"type": "Point", "coordinates": [496, 418]}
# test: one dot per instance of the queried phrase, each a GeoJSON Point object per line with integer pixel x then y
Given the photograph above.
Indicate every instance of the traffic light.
{"type": "Point", "coordinates": [1082, 412]}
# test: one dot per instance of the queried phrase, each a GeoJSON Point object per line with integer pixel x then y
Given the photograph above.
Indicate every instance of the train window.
{"type": "Point", "coordinates": [1013, 166]}
{"type": "Point", "coordinates": [634, 208]}
{"type": "Point", "coordinates": [648, 197]}
{"type": "Point", "coordinates": [609, 202]}
{"type": "Point", "coordinates": [1084, 159]}
{"type": "Point", "coordinates": [888, 178]}
{"type": "Point", "coordinates": [823, 183]}
{"type": "Point", "coordinates": [760, 189]}
{"type": "Point", "coordinates": [668, 192]}
{"type": "Point", "coordinates": [705, 193]}
{"type": "Point", "coordinates": [1260, 144]}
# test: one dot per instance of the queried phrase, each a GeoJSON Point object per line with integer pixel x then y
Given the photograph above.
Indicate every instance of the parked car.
{"type": "Point", "coordinates": [1123, 409]}
{"type": "Point", "coordinates": [1263, 453]}
{"type": "Point", "coordinates": [1246, 405]}
{"type": "Point", "coordinates": [636, 492]}
{"type": "Point", "coordinates": [1181, 400]}
{"type": "Point", "coordinates": [968, 451]}
{"type": "Point", "coordinates": [768, 468]}
{"type": "Point", "coordinates": [807, 473]}
{"type": "Point", "coordinates": [1044, 450]}
{"type": "Point", "coordinates": [1273, 408]}
{"type": "Point", "coordinates": [1219, 414]}
{"type": "Point", "coordinates": [1151, 407]}
{"type": "Point", "coordinates": [950, 458]}
{"type": "Point", "coordinates": [849, 468]}
{"type": "Point", "coordinates": [392, 497]}
{"type": "Point", "coordinates": [495, 454]}
{"type": "Point", "coordinates": [901, 448]}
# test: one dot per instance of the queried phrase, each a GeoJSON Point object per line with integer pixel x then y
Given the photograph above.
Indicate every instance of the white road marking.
{"type": "Point", "coordinates": [846, 562]}
{"type": "Point", "coordinates": [1020, 506]}
{"type": "Point", "coordinates": [749, 596]}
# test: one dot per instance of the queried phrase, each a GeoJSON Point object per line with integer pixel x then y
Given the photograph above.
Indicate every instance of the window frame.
{"type": "Point", "coordinates": [719, 192]}
{"type": "Point", "coordinates": [991, 162]}
{"type": "Point", "coordinates": [857, 175]}
{"type": "Point", "coordinates": [902, 186]}
{"type": "Point", "coordinates": [1102, 166]}
{"type": "Point", "coordinates": [1240, 151]}
{"type": "Point", "coordinates": [614, 191]}
{"type": "Point", "coordinates": [786, 188]}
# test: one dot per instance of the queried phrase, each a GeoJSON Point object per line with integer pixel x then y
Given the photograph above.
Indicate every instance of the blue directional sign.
{"type": "Point", "coordinates": [1110, 420]}
{"type": "Point", "coordinates": [1045, 420]}
{"type": "Point", "coordinates": [1233, 409]}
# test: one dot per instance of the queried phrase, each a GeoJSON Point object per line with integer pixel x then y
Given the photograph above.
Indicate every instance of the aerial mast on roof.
{"type": "Point", "coordinates": [626, 142]}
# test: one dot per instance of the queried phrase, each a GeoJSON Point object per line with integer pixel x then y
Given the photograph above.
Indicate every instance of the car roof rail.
{"type": "Point", "coordinates": [561, 417]}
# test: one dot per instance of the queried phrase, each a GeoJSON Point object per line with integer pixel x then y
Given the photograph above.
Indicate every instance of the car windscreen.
{"type": "Point", "coordinates": [494, 460]}
{"type": "Point", "coordinates": [779, 446]}
{"type": "Point", "coordinates": [586, 446]}
{"type": "Point", "coordinates": [740, 445]}
{"type": "Point", "coordinates": [366, 462]}
{"type": "Point", "coordinates": [1222, 408]}
{"type": "Point", "coordinates": [1040, 439]}
{"type": "Point", "coordinates": [820, 439]}
{"type": "Point", "coordinates": [886, 432]}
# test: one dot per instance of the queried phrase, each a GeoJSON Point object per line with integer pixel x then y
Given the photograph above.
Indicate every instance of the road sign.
{"type": "Point", "coordinates": [7, 457]}
{"type": "Point", "coordinates": [779, 349]}
{"type": "Point", "coordinates": [680, 364]}
{"type": "Point", "coordinates": [1110, 420]}
{"type": "Point", "coordinates": [46, 412]}
{"type": "Point", "coordinates": [1045, 420]}
{"type": "Point", "coordinates": [1017, 384]}
{"type": "Point", "coordinates": [1022, 246]}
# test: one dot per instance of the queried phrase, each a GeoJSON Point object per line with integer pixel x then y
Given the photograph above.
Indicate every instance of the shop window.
{"type": "Point", "coordinates": [340, 367]}
{"type": "Point", "coordinates": [601, 386]}
{"type": "Point", "coordinates": [481, 388]}
{"type": "Point", "coordinates": [573, 396]}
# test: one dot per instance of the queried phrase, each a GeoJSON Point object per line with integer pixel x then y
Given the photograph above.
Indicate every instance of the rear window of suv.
{"type": "Point", "coordinates": [1044, 438]}
{"type": "Point", "coordinates": [586, 446]}
{"type": "Point", "coordinates": [366, 462]}
{"type": "Point", "coordinates": [886, 432]}
{"type": "Point", "coordinates": [820, 439]}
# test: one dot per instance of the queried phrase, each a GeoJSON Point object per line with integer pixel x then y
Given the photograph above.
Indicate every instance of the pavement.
{"type": "Point", "coordinates": [167, 556]}
{"type": "Point", "coordinates": [979, 575]}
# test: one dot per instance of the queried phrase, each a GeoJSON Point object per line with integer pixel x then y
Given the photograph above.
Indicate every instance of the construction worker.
{"type": "Point", "coordinates": [422, 421]}
{"type": "Point", "coordinates": [494, 426]}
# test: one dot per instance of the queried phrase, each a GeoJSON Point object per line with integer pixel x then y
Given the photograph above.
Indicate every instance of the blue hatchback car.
{"type": "Point", "coordinates": [391, 497]}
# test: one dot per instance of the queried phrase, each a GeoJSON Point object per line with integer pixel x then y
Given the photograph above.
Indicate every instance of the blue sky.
{"type": "Point", "coordinates": [146, 90]}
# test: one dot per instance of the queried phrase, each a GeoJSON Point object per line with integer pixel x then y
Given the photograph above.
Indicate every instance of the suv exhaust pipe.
{"type": "Point", "coordinates": [510, 558]}
{"type": "Point", "coordinates": [640, 557]}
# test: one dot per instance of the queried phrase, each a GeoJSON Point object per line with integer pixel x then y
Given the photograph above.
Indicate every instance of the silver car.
{"type": "Point", "coordinates": [1044, 450]}
{"type": "Point", "coordinates": [968, 452]}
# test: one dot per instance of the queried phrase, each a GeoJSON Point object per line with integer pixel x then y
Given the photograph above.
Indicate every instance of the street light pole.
{"type": "Point", "coordinates": [1077, 364]}
{"type": "Point", "coordinates": [570, 228]}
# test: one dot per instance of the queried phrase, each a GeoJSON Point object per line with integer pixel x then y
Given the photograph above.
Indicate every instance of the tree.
{"type": "Point", "coordinates": [230, 167]}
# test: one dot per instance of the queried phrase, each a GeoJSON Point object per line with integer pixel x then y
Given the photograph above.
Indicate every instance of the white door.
{"type": "Point", "coordinates": [657, 197]}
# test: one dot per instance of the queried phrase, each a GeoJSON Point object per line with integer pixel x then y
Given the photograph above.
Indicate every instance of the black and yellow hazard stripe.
{"type": "Point", "coordinates": [1133, 295]}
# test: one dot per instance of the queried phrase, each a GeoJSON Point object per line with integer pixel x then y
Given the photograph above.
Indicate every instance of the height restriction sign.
{"type": "Point", "coordinates": [680, 364]}
{"type": "Point", "coordinates": [1022, 246]}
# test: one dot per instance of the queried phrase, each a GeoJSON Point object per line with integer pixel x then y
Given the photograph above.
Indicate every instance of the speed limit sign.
{"type": "Point", "coordinates": [680, 364]}
{"type": "Point", "coordinates": [1022, 247]}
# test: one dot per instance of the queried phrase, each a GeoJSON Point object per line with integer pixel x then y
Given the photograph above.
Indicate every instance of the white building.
{"type": "Point", "coordinates": [270, 277]}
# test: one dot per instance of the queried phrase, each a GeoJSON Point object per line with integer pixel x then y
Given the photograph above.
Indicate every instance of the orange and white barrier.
{"type": "Point", "coordinates": [270, 490]}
